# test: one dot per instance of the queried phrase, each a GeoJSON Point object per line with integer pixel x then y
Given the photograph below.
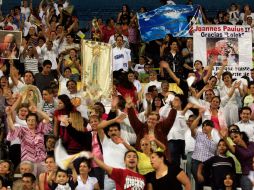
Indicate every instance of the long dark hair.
{"type": "Point", "coordinates": [121, 79]}
{"type": "Point", "coordinates": [67, 103]}
{"type": "Point", "coordinates": [153, 104]}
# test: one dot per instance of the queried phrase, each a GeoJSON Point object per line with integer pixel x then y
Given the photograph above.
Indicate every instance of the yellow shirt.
{"type": "Point", "coordinates": [144, 163]}
{"type": "Point", "coordinates": [248, 100]}
{"type": "Point", "coordinates": [238, 168]}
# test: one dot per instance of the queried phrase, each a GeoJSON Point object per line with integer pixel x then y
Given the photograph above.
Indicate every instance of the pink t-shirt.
{"type": "Point", "coordinates": [216, 123]}
{"type": "Point", "coordinates": [96, 150]}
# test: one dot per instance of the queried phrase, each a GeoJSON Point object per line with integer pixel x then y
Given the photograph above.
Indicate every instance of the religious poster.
{"type": "Point", "coordinates": [97, 79]}
{"type": "Point", "coordinates": [10, 44]}
{"type": "Point", "coordinates": [220, 42]}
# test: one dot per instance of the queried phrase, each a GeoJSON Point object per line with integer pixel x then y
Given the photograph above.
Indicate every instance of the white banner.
{"type": "Point", "coordinates": [230, 42]}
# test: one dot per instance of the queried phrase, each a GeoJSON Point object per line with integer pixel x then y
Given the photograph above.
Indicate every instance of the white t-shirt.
{"type": "Point", "coordinates": [26, 11]}
{"type": "Point", "coordinates": [113, 154]}
{"type": "Point", "coordinates": [50, 55]}
{"type": "Point", "coordinates": [139, 68]}
{"type": "Point", "coordinates": [121, 57]}
{"type": "Point", "coordinates": [177, 132]}
{"type": "Point", "coordinates": [89, 185]}
{"type": "Point", "coordinates": [62, 85]}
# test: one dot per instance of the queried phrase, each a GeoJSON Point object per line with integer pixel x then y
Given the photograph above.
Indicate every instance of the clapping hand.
{"type": "Point", "coordinates": [237, 84]}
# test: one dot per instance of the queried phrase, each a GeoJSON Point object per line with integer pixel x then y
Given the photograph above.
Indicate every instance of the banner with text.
{"type": "Point", "coordinates": [230, 42]}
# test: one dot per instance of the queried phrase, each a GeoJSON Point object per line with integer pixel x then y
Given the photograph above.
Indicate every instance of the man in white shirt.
{"type": "Point", "coordinates": [49, 52]}
{"type": "Point", "coordinates": [121, 56]}
{"type": "Point", "coordinates": [245, 124]}
{"type": "Point", "coordinates": [68, 44]}
{"type": "Point", "coordinates": [113, 152]}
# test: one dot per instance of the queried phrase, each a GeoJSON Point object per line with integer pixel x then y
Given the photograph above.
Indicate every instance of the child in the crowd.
{"type": "Point", "coordinates": [229, 182]}
{"type": "Point", "coordinates": [49, 104]}
{"type": "Point", "coordinates": [62, 180]}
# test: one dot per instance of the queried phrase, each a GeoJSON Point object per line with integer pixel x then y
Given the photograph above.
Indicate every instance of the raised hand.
{"type": "Point", "coordinates": [120, 118]}
{"type": "Point", "coordinates": [223, 132]}
{"type": "Point", "coordinates": [207, 87]}
{"type": "Point", "coordinates": [129, 102]}
{"type": "Point", "coordinates": [8, 110]}
{"type": "Point", "coordinates": [33, 109]}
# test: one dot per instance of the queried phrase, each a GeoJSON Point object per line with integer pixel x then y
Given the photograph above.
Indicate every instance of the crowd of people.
{"type": "Point", "coordinates": [165, 107]}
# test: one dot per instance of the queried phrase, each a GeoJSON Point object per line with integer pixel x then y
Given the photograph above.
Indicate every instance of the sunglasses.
{"type": "Point", "coordinates": [234, 131]}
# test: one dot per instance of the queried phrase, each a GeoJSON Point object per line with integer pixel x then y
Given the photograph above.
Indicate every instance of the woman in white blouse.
{"type": "Point", "coordinates": [85, 182]}
{"type": "Point", "coordinates": [230, 94]}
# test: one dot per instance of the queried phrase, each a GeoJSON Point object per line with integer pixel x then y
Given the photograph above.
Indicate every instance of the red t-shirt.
{"type": "Point", "coordinates": [107, 33]}
{"type": "Point", "coordinates": [127, 179]}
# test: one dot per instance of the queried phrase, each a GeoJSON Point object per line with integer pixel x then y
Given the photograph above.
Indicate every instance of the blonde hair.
{"type": "Point", "coordinates": [77, 121]}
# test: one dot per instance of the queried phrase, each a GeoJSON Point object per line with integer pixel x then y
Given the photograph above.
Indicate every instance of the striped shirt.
{"type": "Point", "coordinates": [31, 64]}
{"type": "Point", "coordinates": [32, 144]}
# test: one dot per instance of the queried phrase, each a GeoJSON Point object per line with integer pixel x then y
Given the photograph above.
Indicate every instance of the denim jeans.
{"type": "Point", "coordinates": [194, 171]}
{"type": "Point", "coordinates": [188, 164]}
